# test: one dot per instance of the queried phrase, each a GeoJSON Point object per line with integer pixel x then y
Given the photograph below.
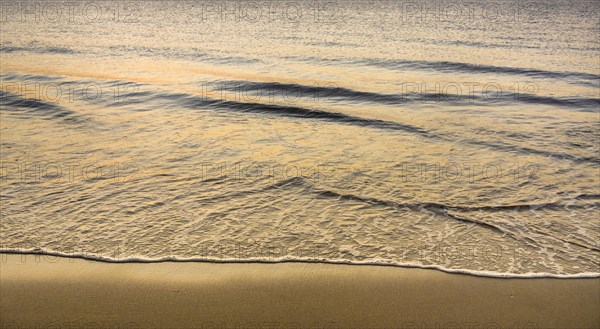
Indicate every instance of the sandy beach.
{"type": "Point", "coordinates": [54, 292]}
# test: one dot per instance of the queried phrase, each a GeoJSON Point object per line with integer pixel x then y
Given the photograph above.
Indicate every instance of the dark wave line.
{"type": "Point", "coordinates": [9, 100]}
{"type": "Point", "coordinates": [381, 124]}
{"type": "Point", "coordinates": [315, 92]}
{"type": "Point", "coordinates": [305, 113]}
{"type": "Point", "coordinates": [299, 181]}
{"type": "Point", "coordinates": [448, 211]}
{"type": "Point", "coordinates": [438, 206]}
{"type": "Point", "coordinates": [318, 93]}
{"type": "Point", "coordinates": [39, 50]}
{"type": "Point", "coordinates": [203, 102]}
{"type": "Point", "coordinates": [588, 196]}
{"type": "Point", "coordinates": [578, 102]}
{"type": "Point", "coordinates": [301, 112]}
{"type": "Point", "coordinates": [446, 66]}
{"type": "Point", "coordinates": [15, 104]}
{"type": "Point", "coordinates": [522, 149]}
{"type": "Point", "coordinates": [588, 79]}
{"type": "Point", "coordinates": [26, 77]}
{"type": "Point", "coordinates": [498, 229]}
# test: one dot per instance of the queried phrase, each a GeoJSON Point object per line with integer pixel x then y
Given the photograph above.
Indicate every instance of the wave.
{"type": "Point", "coordinates": [10, 101]}
{"type": "Point", "coordinates": [26, 107]}
{"type": "Point", "coordinates": [454, 67]}
{"type": "Point", "coordinates": [185, 100]}
{"type": "Point", "coordinates": [307, 91]}
{"type": "Point", "coordinates": [335, 93]}
{"type": "Point", "coordinates": [450, 211]}
{"type": "Point", "coordinates": [582, 78]}
{"type": "Point", "coordinates": [573, 102]}
{"type": "Point", "coordinates": [353, 95]}
{"type": "Point", "coordinates": [454, 212]}
{"type": "Point", "coordinates": [264, 260]}
{"type": "Point", "coordinates": [324, 93]}
{"type": "Point", "coordinates": [191, 101]}
{"type": "Point", "coordinates": [37, 49]}
{"type": "Point", "coordinates": [528, 150]}
{"type": "Point", "coordinates": [305, 113]}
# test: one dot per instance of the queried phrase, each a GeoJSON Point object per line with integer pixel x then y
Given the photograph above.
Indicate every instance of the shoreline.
{"type": "Point", "coordinates": [60, 292]}
{"type": "Point", "coordinates": [475, 273]}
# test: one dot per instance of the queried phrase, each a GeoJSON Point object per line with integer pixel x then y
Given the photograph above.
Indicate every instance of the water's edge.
{"type": "Point", "coordinates": [138, 260]}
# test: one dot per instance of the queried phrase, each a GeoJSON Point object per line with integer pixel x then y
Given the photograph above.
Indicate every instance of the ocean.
{"type": "Point", "coordinates": [461, 136]}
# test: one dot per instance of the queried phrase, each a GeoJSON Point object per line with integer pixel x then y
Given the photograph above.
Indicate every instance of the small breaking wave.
{"type": "Point", "coordinates": [263, 260]}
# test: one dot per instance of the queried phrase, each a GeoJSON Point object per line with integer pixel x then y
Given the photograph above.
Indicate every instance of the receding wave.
{"type": "Point", "coordinates": [453, 212]}
{"type": "Point", "coordinates": [450, 211]}
{"type": "Point", "coordinates": [270, 260]}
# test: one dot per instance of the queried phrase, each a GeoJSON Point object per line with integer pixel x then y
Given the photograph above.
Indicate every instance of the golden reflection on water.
{"type": "Point", "coordinates": [184, 167]}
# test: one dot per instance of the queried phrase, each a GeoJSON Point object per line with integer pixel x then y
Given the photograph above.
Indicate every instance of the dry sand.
{"type": "Point", "coordinates": [53, 292]}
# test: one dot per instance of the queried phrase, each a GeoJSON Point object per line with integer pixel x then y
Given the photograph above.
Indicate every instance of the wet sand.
{"type": "Point", "coordinates": [56, 292]}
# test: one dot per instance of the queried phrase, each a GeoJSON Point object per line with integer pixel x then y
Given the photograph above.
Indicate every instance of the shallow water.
{"type": "Point", "coordinates": [431, 136]}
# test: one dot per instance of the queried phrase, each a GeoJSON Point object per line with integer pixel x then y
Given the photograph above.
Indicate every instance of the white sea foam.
{"type": "Point", "coordinates": [491, 274]}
